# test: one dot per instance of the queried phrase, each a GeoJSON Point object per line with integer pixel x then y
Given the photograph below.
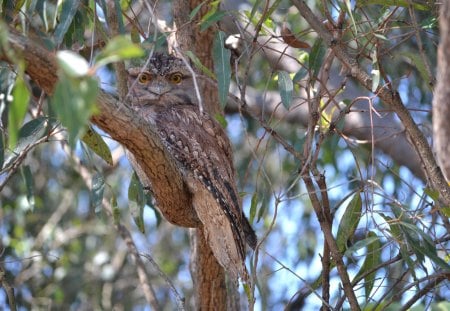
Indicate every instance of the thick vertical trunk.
{"type": "Point", "coordinates": [441, 101]}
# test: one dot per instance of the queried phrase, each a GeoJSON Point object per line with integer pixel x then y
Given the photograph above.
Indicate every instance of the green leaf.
{"type": "Point", "coordinates": [417, 61]}
{"type": "Point", "coordinates": [29, 134]}
{"type": "Point", "coordinates": [118, 8]}
{"type": "Point", "coordinates": [74, 102]}
{"type": "Point", "coordinates": [348, 5]}
{"type": "Point", "coordinates": [98, 188]}
{"type": "Point", "coordinates": [96, 143]}
{"type": "Point", "coordinates": [361, 244]}
{"type": "Point", "coordinates": [69, 8]}
{"type": "Point", "coordinates": [115, 209]}
{"type": "Point", "coordinates": [210, 19]}
{"type": "Point", "coordinates": [18, 109]}
{"type": "Point", "coordinates": [118, 48]}
{"type": "Point", "coordinates": [316, 58]}
{"type": "Point", "coordinates": [221, 120]}
{"type": "Point", "coordinates": [199, 65]}
{"type": "Point", "coordinates": [222, 67]}
{"type": "Point", "coordinates": [253, 207]}
{"type": "Point", "coordinates": [28, 178]}
{"type": "Point", "coordinates": [2, 150]}
{"type": "Point", "coordinates": [195, 11]}
{"type": "Point", "coordinates": [349, 221]}
{"type": "Point", "coordinates": [373, 258]}
{"type": "Point", "coordinates": [300, 75]}
{"type": "Point", "coordinates": [402, 3]}
{"type": "Point", "coordinates": [136, 203]}
{"type": "Point", "coordinates": [286, 88]}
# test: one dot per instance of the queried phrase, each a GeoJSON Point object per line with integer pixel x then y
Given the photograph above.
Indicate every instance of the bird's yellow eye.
{"type": "Point", "coordinates": [144, 78]}
{"type": "Point", "coordinates": [176, 77]}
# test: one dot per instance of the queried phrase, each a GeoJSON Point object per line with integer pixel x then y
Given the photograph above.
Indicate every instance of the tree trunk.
{"type": "Point", "coordinates": [441, 101]}
{"type": "Point", "coordinates": [208, 276]}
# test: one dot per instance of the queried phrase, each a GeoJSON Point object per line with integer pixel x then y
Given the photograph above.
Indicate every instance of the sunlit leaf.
{"type": "Point", "coordinates": [73, 64]}
{"type": "Point", "coordinates": [136, 201]}
{"type": "Point", "coordinates": [98, 188]}
{"type": "Point", "coordinates": [361, 244]}
{"type": "Point", "coordinates": [253, 207]}
{"type": "Point", "coordinates": [69, 8]}
{"type": "Point", "coordinates": [349, 221]}
{"type": "Point", "coordinates": [118, 48]}
{"type": "Point", "coordinates": [96, 143]}
{"type": "Point", "coordinates": [213, 15]}
{"type": "Point", "coordinates": [375, 72]}
{"type": "Point", "coordinates": [286, 88]}
{"type": "Point", "coordinates": [195, 10]}
{"type": "Point", "coordinates": [222, 67]}
{"type": "Point", "coordinates": [221, 119]}
{"type": "Point", "coordinates": [18, 109]}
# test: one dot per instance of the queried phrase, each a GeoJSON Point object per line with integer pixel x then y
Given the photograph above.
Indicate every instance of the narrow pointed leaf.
{"type": "Point", "coordinates": [68, 11]}
{"type": "Point", "coordinates": [28, 177]}
{"type": "Point", "coordinates": [222, 67]}
{"type": "Point", "coordinates": [18, 109]}
{"type": "Point", "coordinates": [373, 258]}
{"type": "Point", "coordinates": [316, 58]}
{"type": "Point", "coordinates": [136, 203]}
{"type": "Point", "coordinates": [96, 143]}
{"type": "Point", "coordinates": [349, 222]}
{"type": "Point", "coordinates": [98, 188]}
{"type": "Point", "coordinates": [118, 48]}
{"type": "Point", "coordinates": [286, 88]}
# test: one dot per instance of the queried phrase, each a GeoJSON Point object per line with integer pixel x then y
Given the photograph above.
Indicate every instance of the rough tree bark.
{"type": "Point", "coordinates": [441, 100]}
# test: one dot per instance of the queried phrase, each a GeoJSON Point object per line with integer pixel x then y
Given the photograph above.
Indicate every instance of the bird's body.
{"type": "Point", "coordinates": [163, 93]}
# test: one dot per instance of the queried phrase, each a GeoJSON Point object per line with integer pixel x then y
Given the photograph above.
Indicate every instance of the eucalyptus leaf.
{"type": "Point", "coordinates": [74, 102]}
{"type": "Point", "coordinates": [29, 134]}
{"type": "Point", "coordinates": [98, 188]}
{"type": "Point", "coordinates": [28, 178]}
{"type": "Point", "coordinates": [222, 67]}
{"type": "Point", "coordinates": [136, 203]}
{"type": "Point", "coordinates": [286, 88]}
{"type": "Point", "coordinates": [118, 48]}
{"type": "Point", "coordinates": [349, 221]}
{"type": "Point", "coordinates": [316, 58]}
{"type": "Point", "coordinates": [96, 143]}
{"type": "Point", "coordinates": [18, 109]}
{"type": "Point", "coordinates": [69, 8]}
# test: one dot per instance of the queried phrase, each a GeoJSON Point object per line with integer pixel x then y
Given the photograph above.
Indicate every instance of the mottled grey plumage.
{"type": "Point", "coordinates": [164, 94]}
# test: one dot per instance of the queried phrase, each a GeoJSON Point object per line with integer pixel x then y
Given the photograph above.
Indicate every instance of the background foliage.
{"type": "Point", "coordinates": [60, 249]}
